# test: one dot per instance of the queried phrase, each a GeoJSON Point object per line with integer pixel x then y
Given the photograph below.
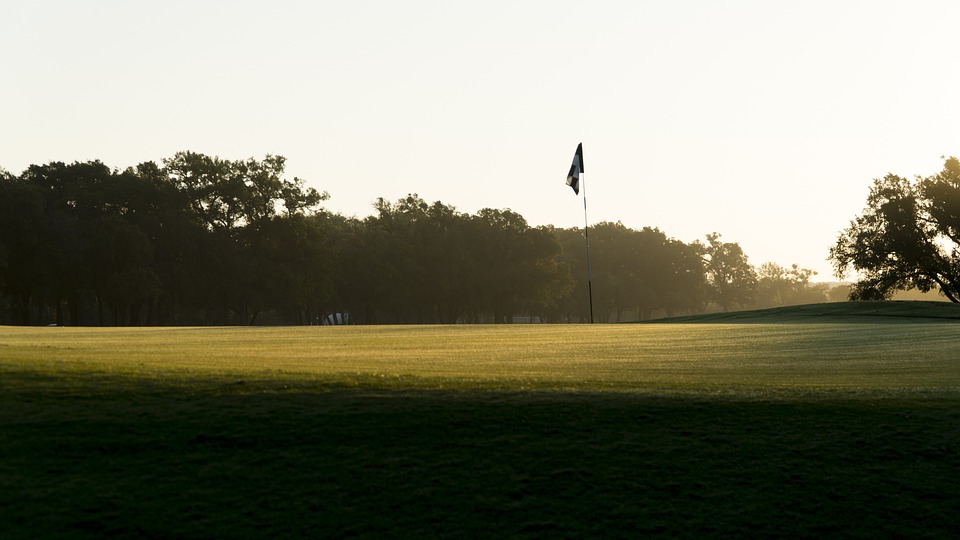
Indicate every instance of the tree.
{"type": "Point", "coordinates": [732, 281]}
{"type": "Point", "coordinates": [21, 258]}
{"type": "Point", "coordinates": [520, 267]}
{"type": "Point", "coordinates": [445, 260]}
{"type": "Point", "coordinates": [908, 237]}
{"type": "Point", "coordinates": [292, 258]}
{"type": "Point", "coordinates": [179, 242]}
{"type": "Point", "coordinates": [574, 306]}
{"type": "Point", "coordinates": [548, 276]}
{"type": "Point", "coordinates": [614, 260]}
{"type": "Point", "coordinates": [634, 273]}
{"type": "Point", "coordinates": [238, 203]}
{"type": "Point", "coordinates": [376, 263]}
{"type": "Point", "coordinates": [779, 286]}
{"type": "Point", "coordinates": [686, 288]}
{"type": "Point", "coordinates": [228, 194]}
{"type": "Point", "coordinates": [124, 279]}
{"type": "Point", "coordinates": [75, 197]}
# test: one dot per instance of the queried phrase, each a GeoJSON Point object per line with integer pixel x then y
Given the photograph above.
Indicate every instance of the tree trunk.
{"type": "Point", "coordinates": [135, 308]}
{"type": "Point", "coordinates": [73, 304]}
{"type": "Point", "coordinates": [24, 308]}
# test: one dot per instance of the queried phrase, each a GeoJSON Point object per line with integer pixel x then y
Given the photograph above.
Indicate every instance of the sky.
{"type": "Point", "coordinates": [763, 121]}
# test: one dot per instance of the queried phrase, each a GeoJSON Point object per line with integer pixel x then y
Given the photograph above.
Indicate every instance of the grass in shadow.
{"type": "Point", "coordinates": [140, 458]}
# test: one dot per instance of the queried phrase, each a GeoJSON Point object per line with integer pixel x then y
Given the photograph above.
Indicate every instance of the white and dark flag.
{"type": "Point", "coordinates": [573, 179]}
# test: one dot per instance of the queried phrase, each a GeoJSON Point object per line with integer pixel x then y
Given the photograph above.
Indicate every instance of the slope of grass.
{"type": "Point", "coordinates": [700, 431]}
{"type": "Point", "coordinates": [901, 311]}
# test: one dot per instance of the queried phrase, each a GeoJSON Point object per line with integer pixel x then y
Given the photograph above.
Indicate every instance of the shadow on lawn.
{"type": "Point", "coordinates": [249, 461]}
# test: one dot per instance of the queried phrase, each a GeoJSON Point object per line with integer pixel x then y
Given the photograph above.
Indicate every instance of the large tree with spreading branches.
{"type": "Point", "coordinates": [908, 237]}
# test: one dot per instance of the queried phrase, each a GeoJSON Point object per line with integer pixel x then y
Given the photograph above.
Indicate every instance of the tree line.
{"type": "Point", "coordinates": [200, 240]}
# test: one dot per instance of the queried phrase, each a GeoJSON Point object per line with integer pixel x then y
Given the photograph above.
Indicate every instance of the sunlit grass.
{"type": "Point", "coordinates": [853, 357]}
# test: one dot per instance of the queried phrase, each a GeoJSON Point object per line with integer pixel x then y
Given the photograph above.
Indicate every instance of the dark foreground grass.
{"type": "Point", "coordinates": [111, 456]}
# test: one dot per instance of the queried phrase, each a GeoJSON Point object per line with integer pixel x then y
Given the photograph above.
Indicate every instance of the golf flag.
{"type": "Point", "coordinates": [573, 179]}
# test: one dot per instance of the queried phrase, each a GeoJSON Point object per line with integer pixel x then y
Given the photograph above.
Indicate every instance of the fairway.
{"type": "Point", "coordinates": [840, 430]}
{"type": "Point", "coordinates": [663, 358]}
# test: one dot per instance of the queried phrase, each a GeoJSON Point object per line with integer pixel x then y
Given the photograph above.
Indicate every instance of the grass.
{"type": "Point", "coordinates": [678, 430]}
{"type": "Point", "coordinates": [660, 358]}
{"type": "Point", "coordinates": [897, 312]}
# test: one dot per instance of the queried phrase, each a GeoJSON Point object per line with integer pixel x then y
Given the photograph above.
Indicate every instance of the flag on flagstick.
{"type": "Point", "coordinates": [573, 179]}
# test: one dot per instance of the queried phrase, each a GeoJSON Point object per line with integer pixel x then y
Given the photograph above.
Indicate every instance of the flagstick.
{"type": "Point", "coordinates": [586, 234]}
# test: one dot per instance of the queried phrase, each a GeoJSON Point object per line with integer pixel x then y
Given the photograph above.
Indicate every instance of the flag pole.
{"type": "Point", "coordinates": [573, 180]}
{"type": "Point", "coordinates": [586, 235]}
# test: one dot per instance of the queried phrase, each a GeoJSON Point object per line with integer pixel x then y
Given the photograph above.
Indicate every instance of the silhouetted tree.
{"type": "Point", "coordinates": [908, 237]}
{"type": "Point", "coordinates": [21, 253]}
{"type": "Point", "coordinates": [574, 306]}
{"type": "Point", "coordinates": [205, 240]}
{"type": "Point", "coordinates": [633, 272]}
{"type": "Point", "coordinates": [615, 258]}
{"type": "Point", "coordinates": [516, 268]}
{"type": "Point", "coordinates": [226, 194]}
{"type": "Point", "coordinates": [238, 202]}
{"type": "Point", "coordinates": [732, 281]}
{"type": "Point", "coordinates": [75, 197]}
{"type": "Point", "coordinates": [685, 280]}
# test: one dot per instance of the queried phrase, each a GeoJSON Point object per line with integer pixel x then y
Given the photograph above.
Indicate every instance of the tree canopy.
{"type": "Point", "coordinates": [908, 237]}
{"type": "Point", "coordinates": [732, 281]}
{"type": "Point", "coordinates": [198, 239]}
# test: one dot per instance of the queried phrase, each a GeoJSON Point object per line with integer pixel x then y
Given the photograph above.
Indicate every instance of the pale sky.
{"type": "Point", "coordinates": [762, 120]}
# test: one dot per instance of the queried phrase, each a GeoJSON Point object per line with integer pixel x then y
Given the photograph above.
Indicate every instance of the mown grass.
{"type": "Point", "coordinates": [661, 358]}
{"type": "Point", "coordinates": [886, 312]}
{"type": "Point", "coordinates": [839, 430]}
